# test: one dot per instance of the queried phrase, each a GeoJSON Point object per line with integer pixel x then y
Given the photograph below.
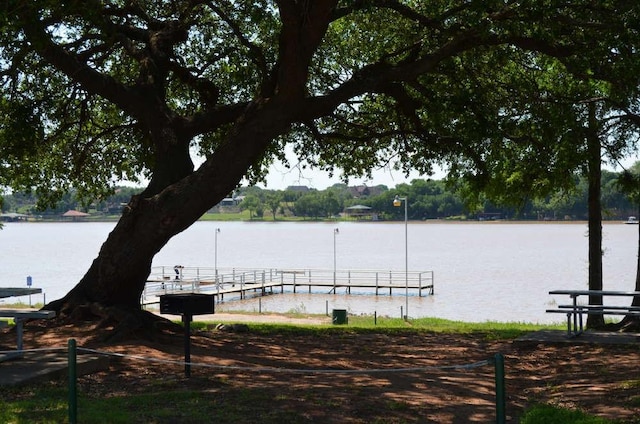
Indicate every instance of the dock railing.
{"type": "Point", "coordinates": [167, 279]}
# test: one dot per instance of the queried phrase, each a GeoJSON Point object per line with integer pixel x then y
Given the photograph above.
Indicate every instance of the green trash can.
{"type": "Point", "coordinates": [340, 316]}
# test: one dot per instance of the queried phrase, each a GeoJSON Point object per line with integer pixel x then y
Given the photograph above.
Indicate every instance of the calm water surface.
{"type": "Point", "coordinates": [483, 271]}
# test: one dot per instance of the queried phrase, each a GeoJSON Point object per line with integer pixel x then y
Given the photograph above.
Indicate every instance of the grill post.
{"type": "Point", "coordinates": [187, 305]}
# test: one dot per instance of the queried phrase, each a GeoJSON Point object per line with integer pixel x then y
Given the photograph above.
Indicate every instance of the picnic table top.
{"type": "Point", "coordinates": [595, 292]}
{"type": "Point", "coordinates": [27, 313]}
{"type": "Point", "coordinates": [17, 291]}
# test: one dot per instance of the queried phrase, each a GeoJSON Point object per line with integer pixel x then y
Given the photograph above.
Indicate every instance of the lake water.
{"type": "Point", "coordinates": [495, 271]}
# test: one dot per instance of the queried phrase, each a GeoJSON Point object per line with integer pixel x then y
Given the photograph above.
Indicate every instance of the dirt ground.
{"type": "Point", "coordinates": [427, 377]}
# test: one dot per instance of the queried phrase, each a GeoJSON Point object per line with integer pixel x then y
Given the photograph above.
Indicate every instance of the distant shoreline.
{"type": "Point", "coordinates": [308, 221]}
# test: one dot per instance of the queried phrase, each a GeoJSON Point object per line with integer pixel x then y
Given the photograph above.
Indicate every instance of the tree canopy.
{"type": "Point", "coordinates": [96, 91]}
{"type": "Point", "coordinates": [406, 83]}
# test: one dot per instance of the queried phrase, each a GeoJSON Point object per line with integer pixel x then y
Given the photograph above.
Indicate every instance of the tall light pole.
{"type": "Point", "coordinates": [397, 202]}
{"type": "Point", "coordinates": [335, 233]}
{"type": "Point", "coordinates": [215, 253]}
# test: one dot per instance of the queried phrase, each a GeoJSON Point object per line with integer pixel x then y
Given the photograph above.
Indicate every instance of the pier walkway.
{"type": "Point", "coordinates": [238, 282]}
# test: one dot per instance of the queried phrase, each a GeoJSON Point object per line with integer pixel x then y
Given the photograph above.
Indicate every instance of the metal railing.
{"type": "Point", "coordinates": [167, 279]}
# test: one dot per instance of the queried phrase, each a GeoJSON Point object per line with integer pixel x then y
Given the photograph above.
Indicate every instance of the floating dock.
{"type": "Point", "coordinates": [240, 283]}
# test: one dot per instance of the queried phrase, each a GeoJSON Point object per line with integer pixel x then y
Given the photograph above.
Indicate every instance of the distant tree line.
{"type": "Point", "coordinates": [427, 199]}
{"type": "Point", "coordinates": [435, 199]}
{"type": "Point", "coordinates": [26, 203]}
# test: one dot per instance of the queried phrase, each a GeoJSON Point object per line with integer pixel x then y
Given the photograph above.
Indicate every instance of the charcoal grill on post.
{"type": "Point", "coordinates": [187, 305]}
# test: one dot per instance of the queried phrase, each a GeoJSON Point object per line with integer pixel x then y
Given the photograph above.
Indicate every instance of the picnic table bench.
{"type": "Point", "coordinates": [576, 310]}
{"type": "Point", "coordinates": [19, 316]}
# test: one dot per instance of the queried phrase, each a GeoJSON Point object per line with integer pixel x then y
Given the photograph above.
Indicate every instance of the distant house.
{"type": "Point", "coordinates": [228, 201]}
{"type": "Point", "coordinates": [359, 191]}
{"type": "Point", "coordinates": [74, 215]}
{"type": "Point", "coordinates": [231, 201]}
{"type": "Point", "coordinates": [13, 217]}
{"type": "Point", "coordinates": [365, 191]}
{"type": "Point", "coordinates": [115, 208]}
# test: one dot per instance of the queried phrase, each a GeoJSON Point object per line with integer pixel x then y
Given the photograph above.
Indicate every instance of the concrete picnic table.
{"type": "Point", "coordinates": [575, 310]}
{"type": "Point", "coordinates": [20, 315]}
{"type": "Point", "coordinates": [17, 291]}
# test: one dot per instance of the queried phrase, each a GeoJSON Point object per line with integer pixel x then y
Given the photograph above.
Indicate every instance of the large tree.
{"type": "Point", "coordinates": [94, 91]}
{"type": "Point", "coordinates": [563, 122]}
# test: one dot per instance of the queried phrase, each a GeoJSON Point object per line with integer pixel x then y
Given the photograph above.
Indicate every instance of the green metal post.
{"type": "Point", "coordinates": [500, 391]}
{"type": "Point", "coordinates": [73, 396]}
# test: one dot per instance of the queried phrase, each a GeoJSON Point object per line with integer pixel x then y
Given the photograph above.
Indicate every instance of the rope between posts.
{"type": "Point", "coordinates": [497, 361]}
{"type": "Point", "coordinates": [72, 349]}
{"type": "Point", "coordinates": [44, 349]}
{"type": "Point", "coordinates": [291, 370]}
{"type": "Point", "coordinates": [261, 369]}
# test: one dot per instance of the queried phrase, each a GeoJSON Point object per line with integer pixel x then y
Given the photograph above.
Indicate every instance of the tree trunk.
{"type": "Point", "coordinates": [632, 323]}
{"type": "Point", "coordinates": [594, 172]}
{"type": "Point", "coordinates": [117, 277]}
{"type": "Point", "coordinates": [636, 299]}
{"type": "Point", "coordinates": [177, 196]}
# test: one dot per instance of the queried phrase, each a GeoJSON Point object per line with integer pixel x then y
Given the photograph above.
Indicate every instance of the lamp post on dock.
{"type": "Point", "coordinates": [215, 253]}
{"type": "Point", "coordinates": [397, 201]}
{"type": "Point", "coordinates": [335, 233]}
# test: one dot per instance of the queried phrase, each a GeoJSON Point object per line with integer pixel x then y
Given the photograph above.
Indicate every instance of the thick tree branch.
{"type": "Point", "coordinates": [372, 77]}
{"type": "Point", "coordinates": [394, 5]}
{"type": "Point", "coordinates": [78, 71]}
{"type": "Point", "coordinates": [304, 24]}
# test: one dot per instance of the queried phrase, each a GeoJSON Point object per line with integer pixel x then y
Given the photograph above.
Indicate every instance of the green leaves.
{"type": "Point", "coordinates": [494, 91]}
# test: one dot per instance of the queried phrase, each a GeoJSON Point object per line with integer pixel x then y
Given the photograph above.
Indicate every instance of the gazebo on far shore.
{"type": "Point", "coordinates": [74, 215]}
{"type": "Point", "coordinates": [359, 212]}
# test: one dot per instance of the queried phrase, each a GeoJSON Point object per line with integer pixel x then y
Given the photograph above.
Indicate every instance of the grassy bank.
{"type": "Point", "coordinates": [497, 330]}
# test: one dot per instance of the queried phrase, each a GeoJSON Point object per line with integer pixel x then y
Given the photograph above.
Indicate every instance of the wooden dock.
{"type": "Point", "coordinates": [239, 283]}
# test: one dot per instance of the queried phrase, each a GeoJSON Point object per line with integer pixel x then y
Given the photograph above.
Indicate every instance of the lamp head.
{"type": "Point", "coordinates": [397, 201]}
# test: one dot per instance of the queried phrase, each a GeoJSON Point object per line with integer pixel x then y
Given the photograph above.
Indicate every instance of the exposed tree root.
{"type": "Point", "coordinates": [629, 324]}
{"type": "Point", "coordinates": [115, 323]}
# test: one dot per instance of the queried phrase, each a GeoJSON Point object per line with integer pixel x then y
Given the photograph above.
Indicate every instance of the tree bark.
{"type": "Point", "coordinates": [594, 172]}
{"type": "Point", "coordinates": [636, 299]}
{"type": "Point", "coordinates": [177, 196]}
{"type": "Point", "coordinates": [632, 323]}
{"type": "Point", "coordinates": [117, 277]}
